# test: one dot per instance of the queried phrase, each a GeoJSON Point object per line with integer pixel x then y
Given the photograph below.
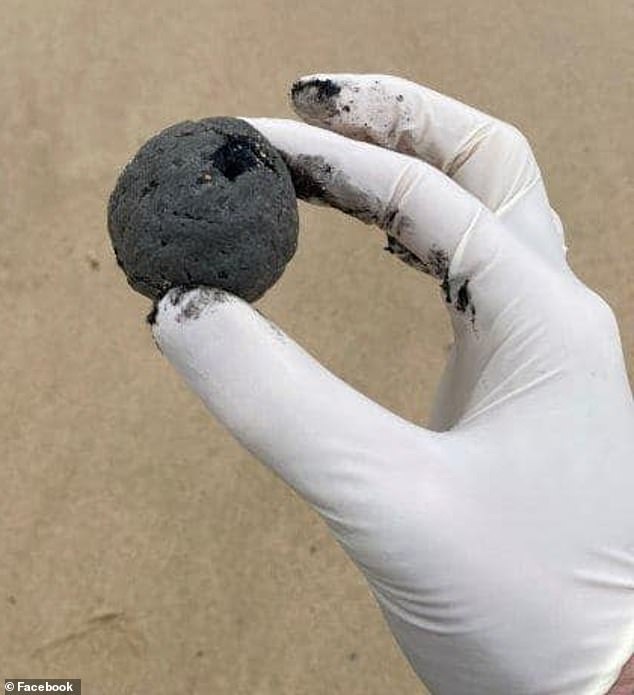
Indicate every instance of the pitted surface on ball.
{"type": "Point", "coordinates": [206, 203]}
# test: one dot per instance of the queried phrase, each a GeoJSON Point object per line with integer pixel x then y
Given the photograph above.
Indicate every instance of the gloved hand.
{"type": "Point", "coordinates": [499, 542]}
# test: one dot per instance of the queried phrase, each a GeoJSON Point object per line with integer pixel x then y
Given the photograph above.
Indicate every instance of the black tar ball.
{"type": "Point", "coordinates": [204, 203]}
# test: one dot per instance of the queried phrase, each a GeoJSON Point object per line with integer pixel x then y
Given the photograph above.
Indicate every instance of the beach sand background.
{"type": "Point", "coordinates": [142, 549]}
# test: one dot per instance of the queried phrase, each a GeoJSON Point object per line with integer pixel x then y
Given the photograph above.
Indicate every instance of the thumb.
{"type": "Point", "coordinates": [333, 445]}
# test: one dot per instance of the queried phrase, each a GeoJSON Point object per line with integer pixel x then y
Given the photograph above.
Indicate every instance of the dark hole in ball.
{"type": "Point", "coordinates": [236, 156]}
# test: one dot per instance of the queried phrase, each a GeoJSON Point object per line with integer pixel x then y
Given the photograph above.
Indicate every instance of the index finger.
{"type": "Point", "coordinates": [422, 210]}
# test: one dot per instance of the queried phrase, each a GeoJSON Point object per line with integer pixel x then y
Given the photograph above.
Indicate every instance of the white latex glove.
{"type": "Point", "coordinates": [499, 542]}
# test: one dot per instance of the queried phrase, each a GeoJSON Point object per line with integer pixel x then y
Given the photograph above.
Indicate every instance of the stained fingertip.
{"type": "Point", "coordinates": [326, 85]}
{"type": "Point", "coordinates": [182, 305]}
{"type": "Point", "coordinates": [314, 97]}
{"type": "Point", "coordinates": [371, 108]}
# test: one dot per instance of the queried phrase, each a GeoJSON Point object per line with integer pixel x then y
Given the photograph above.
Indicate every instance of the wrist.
{"type": "Point", "coordinates": [625, 683]}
